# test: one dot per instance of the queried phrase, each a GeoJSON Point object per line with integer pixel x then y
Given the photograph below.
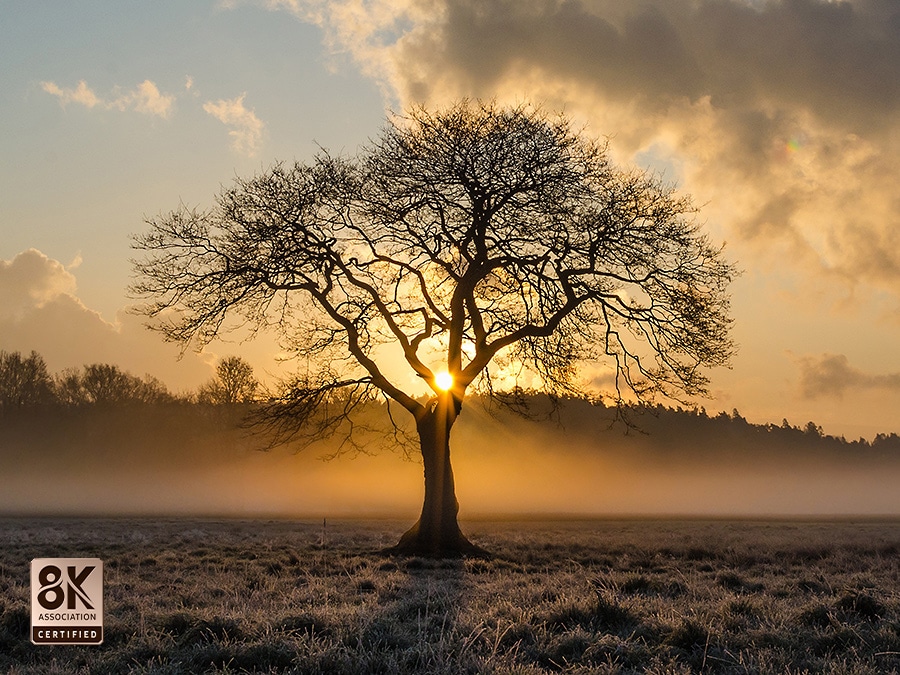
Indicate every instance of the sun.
{"type": "Point", "coordinates": [443, 380]}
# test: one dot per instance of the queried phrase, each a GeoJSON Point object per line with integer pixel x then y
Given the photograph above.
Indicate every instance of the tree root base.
{"type": "Point", "coordinates": [454, 545]}
{"type": "Point", "coordinates": [441, 553]}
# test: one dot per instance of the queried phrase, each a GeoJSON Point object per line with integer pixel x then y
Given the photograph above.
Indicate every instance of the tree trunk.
{"type": "Point", "coordinates": [437, 533]}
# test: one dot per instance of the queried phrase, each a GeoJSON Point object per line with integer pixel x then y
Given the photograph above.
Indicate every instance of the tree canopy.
{"type": "Point", "coordinates": [494, 233]}
{"type": "Point", "coordinates": [494, 244]}
{"type": "Point", "coordinates": [24, 381]}
{"type": "Point", "coordinates": [234, 383]}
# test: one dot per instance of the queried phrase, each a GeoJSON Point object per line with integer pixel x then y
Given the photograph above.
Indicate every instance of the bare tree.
{"type": "Point", "coordinates": [490, 248]}
{"type": "Point", "coordinates": [234, 383]}
{"type": "Point", "coordinates": [106, 384]}
{"type": "Point", "coordinates": [24, 381]}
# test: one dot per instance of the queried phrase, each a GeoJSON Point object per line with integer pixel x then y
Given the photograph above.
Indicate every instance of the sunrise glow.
{"type": "Point", "coordinates": [443, 381]}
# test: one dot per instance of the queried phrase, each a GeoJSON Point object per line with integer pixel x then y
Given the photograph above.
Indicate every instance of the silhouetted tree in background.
{"type": "Point", "coordinates": [234, 383]}
{"type": "Point", "coordinates": [105, 384]}
{"type": "Point", "coordinates": [24, 381]}
{"type": "Point", "coordinates": [489, 248]}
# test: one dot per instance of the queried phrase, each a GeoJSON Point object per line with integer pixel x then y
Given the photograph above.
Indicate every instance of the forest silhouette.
{"type": "Point", "coordinates": [183, 454]}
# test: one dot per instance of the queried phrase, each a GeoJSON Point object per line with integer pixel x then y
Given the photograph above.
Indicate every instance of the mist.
{"type": "Point", "coordinates": [185, 460]}
{"type": "Point", "coordinates": [669, 466]}
{"type": "Point", "coordinates": [178, 460]}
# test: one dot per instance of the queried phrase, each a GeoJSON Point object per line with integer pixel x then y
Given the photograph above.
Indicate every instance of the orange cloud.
{"type": "Point", "coordinates": [783, 117]}
{"type": "Point", "coordinates": [831, 375]}
{"type": "Point", "coordinates": [40, 311]}
{"type": "Point", "coordinates": [31, 280]}
{"type": "Point", "coordinates": [145, 98]}
{"type": "Point", "coordinates": [245, 128]}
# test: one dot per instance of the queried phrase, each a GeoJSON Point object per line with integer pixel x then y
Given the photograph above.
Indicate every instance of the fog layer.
{"type": "Point", "coordinates": [174, 461]}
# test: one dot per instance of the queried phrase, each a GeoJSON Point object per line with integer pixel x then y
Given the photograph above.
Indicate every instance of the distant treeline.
{"type": "Point", "coordinates": [27, 385]}
{"type": "Point", "coordinates": [810, 433]}
{"type": "Point", "coordinates": [26, 382]}
{"type": "Point", "coordinates": [694, 431]}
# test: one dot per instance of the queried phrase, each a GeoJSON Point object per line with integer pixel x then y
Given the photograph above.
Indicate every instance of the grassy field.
{"type": "Point", "coordinates": [569, 596]}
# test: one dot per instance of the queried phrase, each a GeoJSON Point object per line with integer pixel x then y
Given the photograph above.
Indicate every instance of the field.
{"type": "Point", "coordinates": [629, 596]}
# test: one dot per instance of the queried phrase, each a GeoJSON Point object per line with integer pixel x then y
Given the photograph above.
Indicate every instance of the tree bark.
{"type": "Point", "coordinates": [436, 534]}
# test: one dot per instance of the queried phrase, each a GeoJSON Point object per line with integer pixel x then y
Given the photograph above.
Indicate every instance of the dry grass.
{"type": "Point", "coordinates": [579, 597]}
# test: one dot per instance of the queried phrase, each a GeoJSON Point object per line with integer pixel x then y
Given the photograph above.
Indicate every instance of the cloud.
{"type": "Point", "coordinates": [145, 98]}
{"type": "Point", "coordinates": [831, 375]}
{"type": "Point", "coordinates": [784, 115]}
{"type": "Point", "coordinates": [245, 128]}
{"type": "Point", "coordinates": [81, 94]}
{"type": "Point", "coordinates": [31, 280]}
{"type": "Point", "coordinates": [39, 310]}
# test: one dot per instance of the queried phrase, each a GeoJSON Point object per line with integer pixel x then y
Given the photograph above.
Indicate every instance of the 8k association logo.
{"type": "Point", "coordinates": [67, 601]}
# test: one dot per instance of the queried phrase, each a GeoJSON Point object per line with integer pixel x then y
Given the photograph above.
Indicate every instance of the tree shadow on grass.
{"type": "Point", "coordinates": [415, 625]}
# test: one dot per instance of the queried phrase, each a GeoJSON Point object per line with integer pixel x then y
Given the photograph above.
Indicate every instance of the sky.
{"type": "Point", "coordinates": [780, 118]}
